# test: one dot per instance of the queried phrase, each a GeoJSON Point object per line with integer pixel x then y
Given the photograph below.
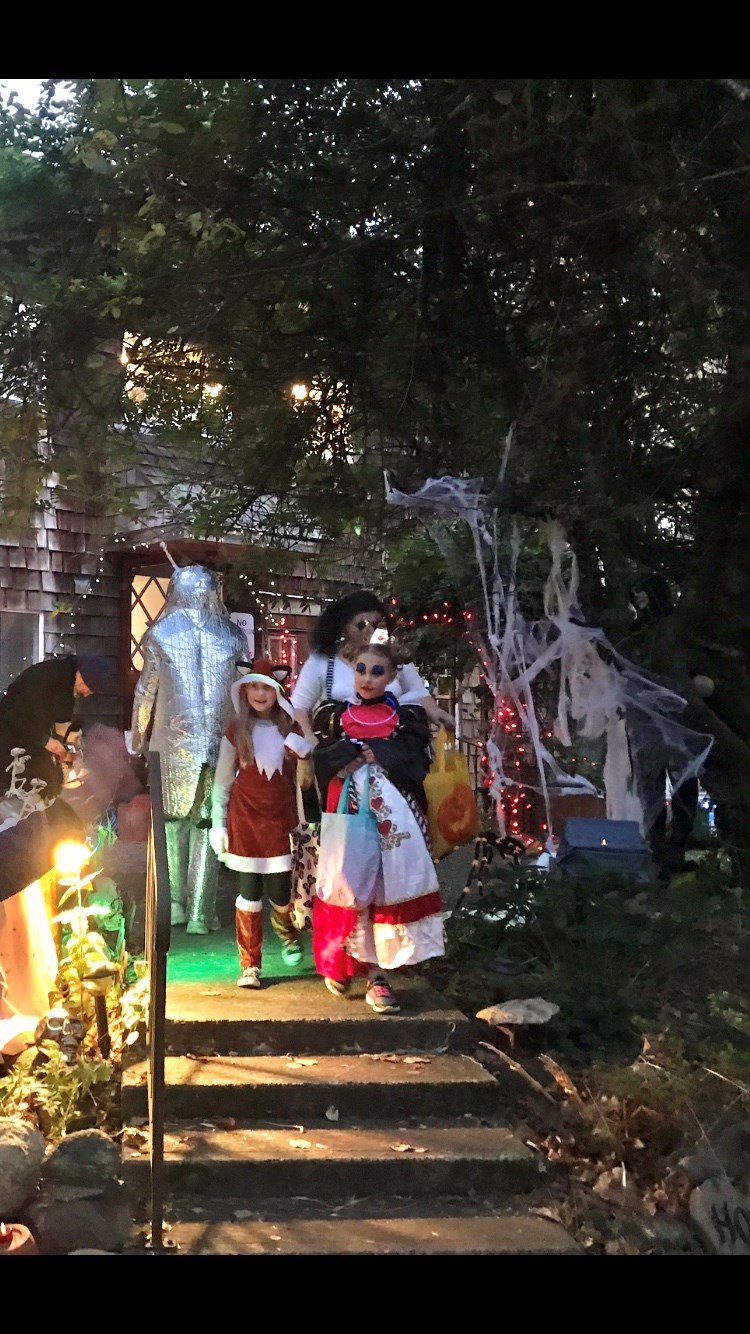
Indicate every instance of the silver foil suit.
{"type": "Point", "coordinates": [190, 662]}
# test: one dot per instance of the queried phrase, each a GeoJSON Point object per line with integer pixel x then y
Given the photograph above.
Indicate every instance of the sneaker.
{"type": "Point", "coordinates": [292, 954]}
{"type": "Point", "coordinates": [249, 977]}
{"type": "Point", "coordinates": [380, 998]}
{"type": "Point", "coordinates": [337, 988]}
{"type": "Point", "coordinates": [179, 916]}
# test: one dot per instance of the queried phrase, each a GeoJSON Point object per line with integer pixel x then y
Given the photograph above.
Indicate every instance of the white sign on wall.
{"type": "Point", "coordinates": [246, 623]}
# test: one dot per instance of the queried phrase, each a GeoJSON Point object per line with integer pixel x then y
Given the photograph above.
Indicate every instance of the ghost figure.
{"type": "Point", "coordinates": [190, 659]}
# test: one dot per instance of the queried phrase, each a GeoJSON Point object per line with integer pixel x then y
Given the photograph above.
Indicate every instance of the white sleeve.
{"type": "Point", "coordinates": [309, 689]}
{"type": "Point", "coordinates": [224, 776]}
{"type": "Point", "coordinates": [413, 687]}
{"type": "Point", "coordinates": [298, 745]}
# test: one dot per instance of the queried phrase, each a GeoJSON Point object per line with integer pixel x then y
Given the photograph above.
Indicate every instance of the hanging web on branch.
{"type": "Point", "coordinates": [601, 695]}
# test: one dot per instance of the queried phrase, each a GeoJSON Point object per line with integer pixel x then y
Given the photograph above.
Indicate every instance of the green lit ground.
{"type": "Point", "coordinates": [214, 958]}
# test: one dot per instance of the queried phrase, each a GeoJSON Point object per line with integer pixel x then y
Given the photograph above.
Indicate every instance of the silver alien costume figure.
{"type": "Point", "coordinates": [190, 662]}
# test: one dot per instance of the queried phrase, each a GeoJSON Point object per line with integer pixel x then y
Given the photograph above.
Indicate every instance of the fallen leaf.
{"type": "Point", "coordinates": [417, 1060]}
{"type": "Point", "coordinates": [297, 1062]}
{"type": "Point", "coordinates": [620, 1246]}
{"type": "Point", "coordinates": [208, 1125]}
{"type": "Point", "coordinates": [239, 1214]}
{"type": "Point", "coordinates": [560, 1077]}
{"type": "Point", "coordinates": [332, 1113]}
{"type": "Point", "coordinates": [133, 1139]}
{"type": "Point", "coordinates": [403, 1148]}
{"type": "Point", "coordinates": [300, 1144]}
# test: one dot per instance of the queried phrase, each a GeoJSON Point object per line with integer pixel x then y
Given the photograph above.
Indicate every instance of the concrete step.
{"type": "Point", "coordinates": [292, 1088]}
{"type": "Point", "coordinates": [321, 1160]}
{"type": "Point", "coordinates": [298, 1014]}
{"type": "Point", "coordinates": [390, 1225]}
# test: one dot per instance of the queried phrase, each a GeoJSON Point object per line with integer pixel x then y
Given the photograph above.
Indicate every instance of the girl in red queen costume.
{"type": "Point", "coordinates": [254, 810]}
{"type": "Point", "coordinates": [398, 921]}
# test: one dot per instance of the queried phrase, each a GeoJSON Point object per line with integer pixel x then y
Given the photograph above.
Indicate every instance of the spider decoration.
{"type": "Point", "coordinates": [506, 846]}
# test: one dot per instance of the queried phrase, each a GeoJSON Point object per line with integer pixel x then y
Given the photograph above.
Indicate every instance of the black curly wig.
{"type": "Point", "coordinates": [329, 627]}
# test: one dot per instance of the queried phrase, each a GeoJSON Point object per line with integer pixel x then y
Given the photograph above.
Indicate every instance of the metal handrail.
{"type": "Point", "coordinates": [158, 934]}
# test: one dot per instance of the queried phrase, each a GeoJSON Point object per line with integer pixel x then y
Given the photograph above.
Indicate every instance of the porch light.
{"type": "Point", "coordinates": [299, 391]}
{"type": "Point", "coordinates": [70, 857]}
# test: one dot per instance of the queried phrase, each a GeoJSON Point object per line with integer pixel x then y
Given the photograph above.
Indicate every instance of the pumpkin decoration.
{"type": "Point", "coordinates": [452, 814]}
{"type": "Point", "coordinates": [457, 816]}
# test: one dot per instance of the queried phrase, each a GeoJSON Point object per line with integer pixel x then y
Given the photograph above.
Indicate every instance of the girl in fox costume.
{"type": "Point", "coordinates": [254, 810]}
{"type": "Point", "coordinates": [397, 921]}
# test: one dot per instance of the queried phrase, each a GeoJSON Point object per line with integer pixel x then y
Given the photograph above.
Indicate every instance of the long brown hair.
{"type": "Point", "coordinates": [244, 724]}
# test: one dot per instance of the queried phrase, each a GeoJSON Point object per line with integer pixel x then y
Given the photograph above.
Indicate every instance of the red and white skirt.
{"type": "Point", "coordinates": [401, 923]}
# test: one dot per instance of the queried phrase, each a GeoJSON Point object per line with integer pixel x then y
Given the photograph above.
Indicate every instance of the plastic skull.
{"type": "Point", "coordinates": [60, 1027]}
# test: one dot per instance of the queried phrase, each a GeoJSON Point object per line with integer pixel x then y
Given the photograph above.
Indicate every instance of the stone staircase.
{"type": "Point", "coordinates": [300, 1123]}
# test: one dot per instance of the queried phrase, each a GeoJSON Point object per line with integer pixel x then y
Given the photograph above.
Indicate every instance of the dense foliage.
{"type": "Point", "coordinates": [435, 261]}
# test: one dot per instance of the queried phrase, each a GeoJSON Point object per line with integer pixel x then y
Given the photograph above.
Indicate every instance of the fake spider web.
{"type": "Point", "coordinates": [602, 696]}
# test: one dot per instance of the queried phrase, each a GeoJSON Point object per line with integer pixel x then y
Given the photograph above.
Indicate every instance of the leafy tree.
{"type": "Point", "coordinates": [435, 260]}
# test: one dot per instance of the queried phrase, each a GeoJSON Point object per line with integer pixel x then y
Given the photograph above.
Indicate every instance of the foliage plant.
{"type": "Point", "coordinates": [41, 1087]}
{"type": "Point", "coordinates": [653, 1028]}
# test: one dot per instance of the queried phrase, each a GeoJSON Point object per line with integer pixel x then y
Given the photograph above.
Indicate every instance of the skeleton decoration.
{"type": "Point", "coordinates": [16, 769]}
{"type": "Point", "coordinates": [190, 659]}
{"type": "Point", "coordinates": [22, 796]}
{"type": "Point", "coordinates": [601, 694]}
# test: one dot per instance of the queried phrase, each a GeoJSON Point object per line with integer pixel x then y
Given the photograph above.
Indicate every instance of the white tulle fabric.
{"type": "Point", "coordinates": [602, 695]}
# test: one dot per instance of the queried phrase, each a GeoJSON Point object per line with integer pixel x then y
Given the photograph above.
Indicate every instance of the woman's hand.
{"type": "Point", "coordinates": [369, 757]}
{"type": "Point", "coordinates": [57, 749]}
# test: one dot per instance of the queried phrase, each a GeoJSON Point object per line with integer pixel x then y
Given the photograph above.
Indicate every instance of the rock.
{"type": "Point", "coordinates": [85, 1158]}
{"type": "Point", "coordinates": [22, 1150]}
{"type": "Point", "coordinates": [91, 1250]}
{"type": "Point", "coordinates": [722, 1216]}
{"type": "Point", "coordinates": [61, 1226]}
{"type": "Point", "coordinates": [529, 1010]}
{"type": "Point", "coordinates": [671, 1236]}
{"type": "Point", "coordinates": [508, 967]}
{"type": "Point", "coordinates": [726, 1153]}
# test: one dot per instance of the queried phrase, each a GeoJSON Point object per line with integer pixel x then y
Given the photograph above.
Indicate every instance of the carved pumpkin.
{"type": "Point", "coordinates": [457, 816]}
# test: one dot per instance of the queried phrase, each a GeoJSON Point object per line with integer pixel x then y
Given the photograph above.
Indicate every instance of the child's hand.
{"type": "Point", "coordinates": [367, 752]}
{"type": "Point", "coordinates": [351, 768]}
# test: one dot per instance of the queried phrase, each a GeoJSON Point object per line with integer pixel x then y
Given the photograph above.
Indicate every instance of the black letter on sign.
{"type": "Point", "coordinates": [723, 1223]}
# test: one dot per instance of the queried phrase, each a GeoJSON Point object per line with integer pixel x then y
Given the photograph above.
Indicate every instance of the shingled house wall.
{"type": "Point", "coordinates": [43, 571]}
{"type": "Point", "coordinates": [38, 573]}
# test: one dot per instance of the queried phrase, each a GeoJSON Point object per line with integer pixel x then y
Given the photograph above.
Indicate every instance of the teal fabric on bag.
{"type": "Point", "coordinates": [349, 860]}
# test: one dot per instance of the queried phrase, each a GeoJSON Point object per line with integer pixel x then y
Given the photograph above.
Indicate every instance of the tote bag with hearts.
{"type": "Point", "coordinates": [349, 858]}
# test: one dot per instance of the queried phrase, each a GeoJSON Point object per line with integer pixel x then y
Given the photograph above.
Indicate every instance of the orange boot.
{"type": "Point", "coordinates": [248, 920]}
